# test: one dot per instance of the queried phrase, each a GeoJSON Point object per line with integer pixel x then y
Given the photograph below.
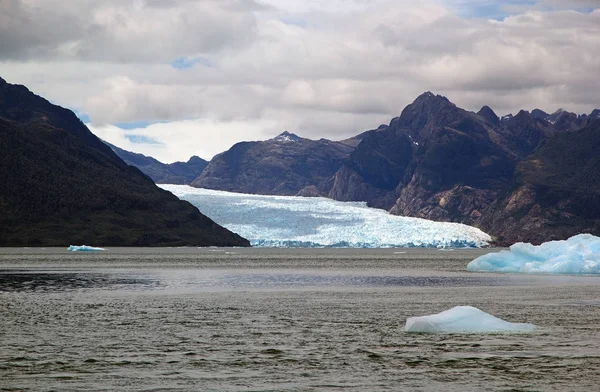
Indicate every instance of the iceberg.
{"type": "Point", "coordinates": [83, 248]}
{"type": "Point", "coordinates": [292, 221]}
{"type": "Point", "coordinates": [577, 255]}
{"type": "Point", "coordinates": [463, 319]}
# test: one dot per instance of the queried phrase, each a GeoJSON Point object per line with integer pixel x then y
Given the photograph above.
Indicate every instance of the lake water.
{"type": "Point", "coordinates": [207, 319]}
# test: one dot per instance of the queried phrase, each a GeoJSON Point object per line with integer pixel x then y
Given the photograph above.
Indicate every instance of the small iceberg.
{"type": "Point", "coordinates": [83, 248]}
{"type": "Point", "coordinates": [577, 255]}
{"type": "Point", "coordinates": [463, 319]}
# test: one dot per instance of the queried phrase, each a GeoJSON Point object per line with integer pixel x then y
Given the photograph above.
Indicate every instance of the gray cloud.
{"type": "Point", "coordinates": [123, 31]}
{"type": "Point", "coordinates": [321, 69]}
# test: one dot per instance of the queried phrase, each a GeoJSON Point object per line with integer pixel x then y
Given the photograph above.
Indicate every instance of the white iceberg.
{"type": "Point", "coordinates": [577, 255]}
{"type": "Point", "coordinates": [290, 221]}
{"type": "Point", "coordinates": [463, 319]}
{"type": "Point", "coordinates": [83, 248]}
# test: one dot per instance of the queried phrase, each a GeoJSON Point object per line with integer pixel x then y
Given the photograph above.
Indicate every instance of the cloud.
{"type": "Point", "coordinates": [123, 31]}
{"type": "Point", "coordinates": [179, 140]}
{"type": "Point", "coordinates": [206, 74]}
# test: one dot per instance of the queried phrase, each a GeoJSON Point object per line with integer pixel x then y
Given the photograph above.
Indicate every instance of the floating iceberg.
{"type": "Point", "coordinates": [83, 248]}
{"type": "Point", "coordinates": [290, 221]}
{"type": "Point", "coordinates": [463, 319]}
{"type": "Point", "coordinates": [577, 255]}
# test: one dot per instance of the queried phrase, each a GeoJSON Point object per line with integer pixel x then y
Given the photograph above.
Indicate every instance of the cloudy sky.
{"type": "Point", "coordinates": [174, 78]}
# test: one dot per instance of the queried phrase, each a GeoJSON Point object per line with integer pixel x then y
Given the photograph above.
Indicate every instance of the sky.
{"type": "Point", "coordinates": [176, 78]}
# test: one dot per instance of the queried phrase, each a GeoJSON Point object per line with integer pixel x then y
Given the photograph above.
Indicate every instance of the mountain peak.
{"type": "Point", "coordinates": [553, 118]}
{"type": "Point", "coordinates": [539, 114]}
{"type": "Point", "coordinates": [428, 96]}
{"type": "Point", "coordinates": [427, 111]}
{"type": "Point", "coordinates": [522, 118]}
{"type": "Point", "coordinates": [286, 137]}
{"type": "Point", "coordinates": [487, 113]}
{"type": "Point", "coordinates": [196, 159]}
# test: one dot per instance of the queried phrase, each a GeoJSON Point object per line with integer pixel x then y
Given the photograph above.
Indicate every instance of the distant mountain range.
{"type": "Point", "coordinates": [284, 165]}
{"type": "Point", "coordinates": [529, 177]}
{"type": "Point", "coordinates": [163, 173]}
{"type": "Point", "coordinates": [61, 185]}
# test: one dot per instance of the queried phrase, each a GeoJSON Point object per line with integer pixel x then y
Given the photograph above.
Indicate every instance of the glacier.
{"type": "Point", "coordinates": [579, 254]}
{"type": "Point", "coordinates": [292, 221]}
{"type": "Point", "coordinates": [463, 319]}
{"type": "Point", "coordinates": [83, 248]}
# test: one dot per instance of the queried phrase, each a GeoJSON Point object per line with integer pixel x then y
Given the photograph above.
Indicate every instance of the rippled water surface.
{"type": "Point", "coordinates": [284, 320]}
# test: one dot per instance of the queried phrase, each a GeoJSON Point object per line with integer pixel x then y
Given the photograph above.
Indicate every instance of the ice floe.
{"type": "Point", "coordinates": [577, 255]}
{"type": "Point", "coordinates": [463, 319]}
{"type": "Point", "coordinates": [84, 248]}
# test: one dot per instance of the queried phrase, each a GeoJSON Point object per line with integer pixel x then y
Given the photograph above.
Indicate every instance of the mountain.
{"type": "Point", "coordinates": [163, 173]}
{"type": "Point", "coordinates": [562, 120]}
{"type": "Point", "coordinates": [524, 132]}
{"type": "Point", "coordinates": [435, 161]}
{"type": "Point", "coordinates": [489, 115]}
{"type": "Point", "coordinates": [555, 193]}
{"type": "Point", "coordinates": [439, 162]}
{"type": "Point", "coordinates": [61, 185]}
{"type": "Point", "coordinates": [284, 165]}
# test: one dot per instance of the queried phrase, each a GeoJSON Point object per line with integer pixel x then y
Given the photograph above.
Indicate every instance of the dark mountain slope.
{"type": "Point", "coordinates": [440, 162]}
{"type": "Point", "coordinates": [20, 105]}
{"type": "Point", "coordinates": [435, 161]}
{"type": "Point", "coordinates": [489, 115]}
{"type": "Point", "coordinates": [284, 165]}
{"type": "Point", "coordinates": [525, 132]}
{"type": "Point", "coordinates": [555, 194]}
{"type": "Point", "coordinates": [163, 173]}
{"type": "Point", "coordinates": [375, 168]}
{"type": "Point", "coordinates": [60, 185]}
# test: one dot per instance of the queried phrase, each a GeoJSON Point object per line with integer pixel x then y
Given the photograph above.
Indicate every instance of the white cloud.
{"type": "Point", "coordinates": [179, 140]}
{"type": "Point", "coordinates": [320, 69]}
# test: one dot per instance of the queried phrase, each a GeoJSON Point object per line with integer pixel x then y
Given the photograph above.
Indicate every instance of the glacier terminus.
{"type": "Point", "coordinates": [291, 221]}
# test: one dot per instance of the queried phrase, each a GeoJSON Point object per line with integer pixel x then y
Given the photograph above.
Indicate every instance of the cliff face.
{"type": "Point", "coordinates": [435, 161]}
{"type": "Point", "coordinates": [555, 193]}
{"type": "Point", "coordinates": [284, 165]}
{"type": "Point", "coordinates": [61, 185]}
{"type": "Point", "coordinates": [181, 173]}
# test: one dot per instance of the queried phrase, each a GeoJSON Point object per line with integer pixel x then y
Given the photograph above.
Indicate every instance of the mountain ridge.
{"type": "Point", "coordinates": [283, 165]}
{"type": "Point", "coordinates": [181, 173]}
{"type": "Point", "coordinates": [61, 185]}
{"type": "Point", "coordinates": [435, 161]}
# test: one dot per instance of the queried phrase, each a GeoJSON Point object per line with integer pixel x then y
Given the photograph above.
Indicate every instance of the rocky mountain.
{"type": "Point", "coordinates": [555, 193]}
{"type": "Point", "coordinates": [61, 185]}
{"type": "Point", "coordinates": [435, 161]}
{"type": "Point", "coordinates": [440, 162]}
{"type": "Point", "coordinates": [163, 173]}
{"type": "Point", "coordinates": [284, 165]}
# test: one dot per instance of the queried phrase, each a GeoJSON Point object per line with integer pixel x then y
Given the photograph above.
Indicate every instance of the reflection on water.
{"type": "Point", "coordinates": [188, 320]}
{"type": "Point", "coordinates": [11, 281]}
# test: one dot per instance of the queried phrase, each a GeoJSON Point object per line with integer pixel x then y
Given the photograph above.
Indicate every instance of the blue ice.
{"type": "Point", "coordinates": [463, 319]}
{"type": "Point", "coordinates": [289, 221]}
{"type": "Point", "coordinates": [577, 255]}
{"type": "Point", "coordinates": [83, 248]}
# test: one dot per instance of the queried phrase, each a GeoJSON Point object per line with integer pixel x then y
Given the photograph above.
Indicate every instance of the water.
{"type": "Point", "coordinates": [284, 320]}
